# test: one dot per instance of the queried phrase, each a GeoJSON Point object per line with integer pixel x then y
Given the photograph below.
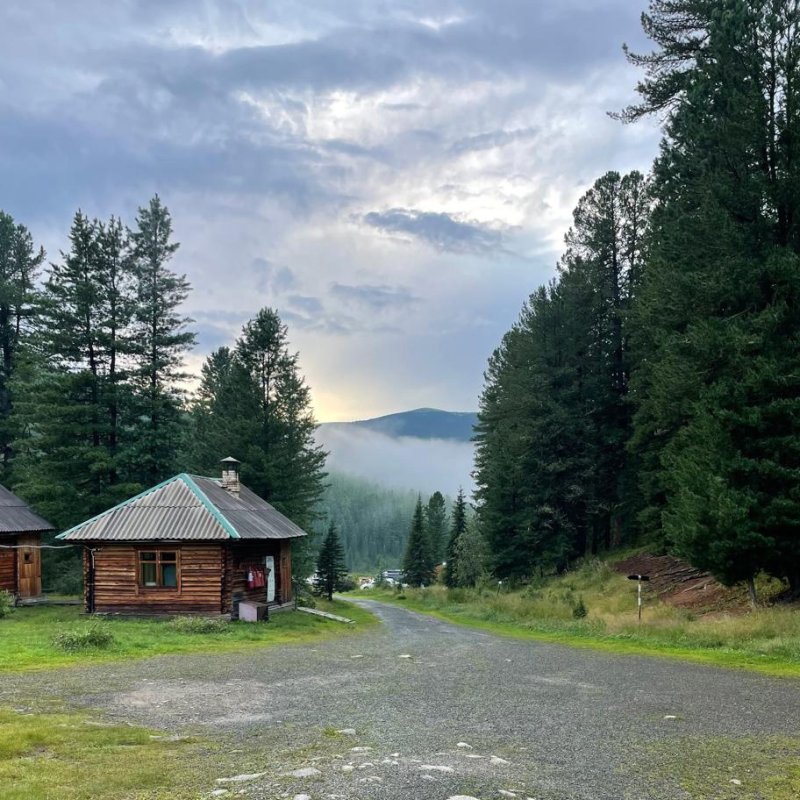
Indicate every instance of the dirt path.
{"type": "Point", "coordinates": [423, 709]}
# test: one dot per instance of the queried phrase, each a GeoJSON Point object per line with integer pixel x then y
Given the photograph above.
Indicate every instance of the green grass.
{"type": "Point", "coordinates": [72, 756]}
{"type": "Point", "coordinates": [728, 768]}
{"type": "Point", "coordinates": [766, 640]}
{"type": "Point", "coordinates": [47, 753]}
{"type": "Point", "coordinates": [27, 635]}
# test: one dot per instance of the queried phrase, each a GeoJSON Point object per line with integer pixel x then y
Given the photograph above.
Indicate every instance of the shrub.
{"type": "Point", "coordinates": [6, 603]}
{"type": "Point", "coordinates": [94, 635]}
{"type": "Point", "coordinates": [579, 610]}
{"type": "Point", "coordinates": [198, 625]}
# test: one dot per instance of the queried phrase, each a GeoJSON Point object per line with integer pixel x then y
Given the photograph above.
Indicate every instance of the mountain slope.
{"type": "Point", "coordinates": [421, 423]}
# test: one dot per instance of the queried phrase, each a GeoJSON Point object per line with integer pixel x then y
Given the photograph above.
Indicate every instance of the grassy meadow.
{"type": "Point", "coordinates": [766, 640]}
{"type": "Point", "coordinates": [42, 637]}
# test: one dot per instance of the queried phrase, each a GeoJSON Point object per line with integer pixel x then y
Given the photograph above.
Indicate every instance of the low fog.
{"type": "Point", "coordinates": [424, 465]}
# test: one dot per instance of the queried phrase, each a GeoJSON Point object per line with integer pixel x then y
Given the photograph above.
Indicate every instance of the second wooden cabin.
{"type": "Point", "coordinates": [190, 545]}
{"type": "Point", "coordinates": [21, 532]}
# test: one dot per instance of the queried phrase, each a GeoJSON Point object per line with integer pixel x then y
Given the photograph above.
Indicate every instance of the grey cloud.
{"type": "Point", "coordinates": [310, 305]}
{"type": "Point", "coordinates": [492, 139]}
{"type": "Point", "coordinates": [272, 278]}
{"type": "Point", "coordinates": [376, 297]}
{"type": "Point", "coordinates": [438, 229]}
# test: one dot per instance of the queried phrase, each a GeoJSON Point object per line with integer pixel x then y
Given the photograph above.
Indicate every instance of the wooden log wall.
{"type": "Point", "coordinates": [116, 580]}
{"type": "Point", "coordinates": [8, 567]}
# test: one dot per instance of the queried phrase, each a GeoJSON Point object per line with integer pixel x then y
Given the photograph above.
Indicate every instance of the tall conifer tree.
{"type": "Point", "coordinates": [19, 267]}
{"type": "Point", "coordinates": [331, 566]}
{"type": "Point", "coordinates": [458, 525]}
{"type": "Point", "coordinates": [418, 561]}
{"type": "Point", "coordinates": [162, 340]}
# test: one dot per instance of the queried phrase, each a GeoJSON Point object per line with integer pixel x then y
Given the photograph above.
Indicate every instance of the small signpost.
{"type": "Point", "coordinates": [639, 579]}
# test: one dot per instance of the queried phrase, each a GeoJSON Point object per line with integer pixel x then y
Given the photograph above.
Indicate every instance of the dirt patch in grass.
{"type": "Point", "coordinates": [677, 583]}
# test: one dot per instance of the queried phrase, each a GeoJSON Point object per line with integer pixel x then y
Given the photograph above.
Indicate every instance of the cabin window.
{"type": "Point", "coordinates": [158, 569]}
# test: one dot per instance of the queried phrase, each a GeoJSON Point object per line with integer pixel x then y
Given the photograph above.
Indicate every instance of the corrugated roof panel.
{"type": "Point", "coordinates": [250, 515]}
{"type": "Point", "coordinates": [187, 508]}
{"type": "Point", "coordinates": [170, 511]}
{"type": "Point", "coordinates": [17, 516]}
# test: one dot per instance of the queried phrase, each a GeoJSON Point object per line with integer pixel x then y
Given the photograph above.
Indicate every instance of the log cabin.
{"type": "Point", "coordinates": [21, 532]}
{"type": "Point", "coordinates": [190, 545]}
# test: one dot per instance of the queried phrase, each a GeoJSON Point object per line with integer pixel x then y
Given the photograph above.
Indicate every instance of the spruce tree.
{"type": "Point", "coordinates": [457, 527]}
{"type": "Point", "coordinates": [418, 564]}
{"type": "Point", "coordinates": [436, 524]}
{"type": "Point", "coordinates": [717, 396]}
{"type": "Point", "coordinates": [254, 403]}
{"type": "Point", "coordinates": [331, 566]}
{"type": "Point", "coordinates": [19, 267]}
{"type": "Point", "coordinates": [162, 340]}
{"type": "Point", "coordinates": [71, 393]}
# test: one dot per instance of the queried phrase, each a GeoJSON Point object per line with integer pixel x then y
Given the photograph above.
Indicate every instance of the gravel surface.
{"type": "Point", "coordinates": [419, 708]}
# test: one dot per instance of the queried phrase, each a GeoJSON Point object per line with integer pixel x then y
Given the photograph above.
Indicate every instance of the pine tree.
{"type": "Point", "coordinates": [254, 402]}
{"type": "Point", "coordinates": [19, 267]}
{"type": "Point", "coordinates": [457, 527]}
{"type": "Point", "coordinates": [71, 392]}
{"type": "Point", "coordinates": [718, 394]}
{"type": "Point", "coordinates": [552, 469]}
{"type": "Point", "coordinates": [436, 524]}
{"type": "Point", "coordinates": [331, 567]}
{"type": "Point", "coordinates": [162, 340]}
{"type": "Point", "coordinates": [418, 560]}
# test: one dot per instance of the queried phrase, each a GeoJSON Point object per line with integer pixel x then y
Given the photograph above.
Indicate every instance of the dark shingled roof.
{"type": "Point", "coordinates": [187, 508]}
{"type": "Point", "coordinates": [18, 517]}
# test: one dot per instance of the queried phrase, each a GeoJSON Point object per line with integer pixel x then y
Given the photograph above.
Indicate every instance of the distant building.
{"type": "Point", "coordinates": [190, 545]}
{"type": "Point", "coordinates": [21, 532]}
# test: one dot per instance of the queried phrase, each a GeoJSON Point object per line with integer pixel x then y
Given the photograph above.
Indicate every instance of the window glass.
{"type": "Point", "coordinates": [158, 568]}
{"type": "Point", "coordinates": [149, 574]}
{"type": "Point", "coordinates": [169, 575]}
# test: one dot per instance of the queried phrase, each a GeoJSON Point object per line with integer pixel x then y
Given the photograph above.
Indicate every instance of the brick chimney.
{"type": "Point", "coordinates": [230, 475]}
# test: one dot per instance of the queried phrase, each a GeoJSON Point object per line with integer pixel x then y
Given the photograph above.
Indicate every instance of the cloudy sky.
{"type": "Point", "coordinates": [395, 176]}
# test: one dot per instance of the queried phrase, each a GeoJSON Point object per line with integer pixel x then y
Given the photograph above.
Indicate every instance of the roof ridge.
{"type": "Point", "coordinates": [209, 506]}
{"type": "Point", "coordinates": [119, 505]}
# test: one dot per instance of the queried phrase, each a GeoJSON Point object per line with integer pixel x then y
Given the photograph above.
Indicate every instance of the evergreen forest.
{"type": "Point", "coordinates": [650, 393]}
{"type": "Point", "coordinates": [93, 399]}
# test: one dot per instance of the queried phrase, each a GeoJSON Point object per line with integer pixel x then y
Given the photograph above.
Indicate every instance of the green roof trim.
{"type": "Point", "coordinates": [119, 505]}
{"type": "Point", "coordinates": [209, 506]}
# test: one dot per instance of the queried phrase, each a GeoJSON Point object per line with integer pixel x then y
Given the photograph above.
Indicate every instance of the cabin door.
{"type": "Point", "coordinates": [29, 566]}
{"type": "Point", "coordinates": [269, 562]}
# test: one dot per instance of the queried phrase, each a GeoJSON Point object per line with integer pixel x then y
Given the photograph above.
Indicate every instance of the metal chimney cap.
{"type": "Point", "coordinates": [230, 460]}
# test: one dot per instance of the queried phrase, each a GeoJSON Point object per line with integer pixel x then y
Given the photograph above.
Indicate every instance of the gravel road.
{"type": "Point", "coordinates": [419, 709]}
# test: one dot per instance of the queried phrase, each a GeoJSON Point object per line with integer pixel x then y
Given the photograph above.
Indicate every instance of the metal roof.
{"type": "Point", "coordinates": [251, 517]}
{"type": "Point", "coordinates": [187, 508]}
{"type": "Point", "coordinates": [18, 517]}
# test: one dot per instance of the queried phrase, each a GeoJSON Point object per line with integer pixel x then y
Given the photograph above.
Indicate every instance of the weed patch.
{"type": "Point", "coordinates": [202, 625]}
{"type": "Point", "coordinates": [92, 636]}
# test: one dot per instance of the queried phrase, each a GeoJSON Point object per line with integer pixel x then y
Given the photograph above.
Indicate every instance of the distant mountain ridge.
{"type": "Point", "coordinates": [420, 423]}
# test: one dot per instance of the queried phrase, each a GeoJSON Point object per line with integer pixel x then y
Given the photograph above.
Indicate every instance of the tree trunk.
{"type": "Point", "coordinates": [751, 590]}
